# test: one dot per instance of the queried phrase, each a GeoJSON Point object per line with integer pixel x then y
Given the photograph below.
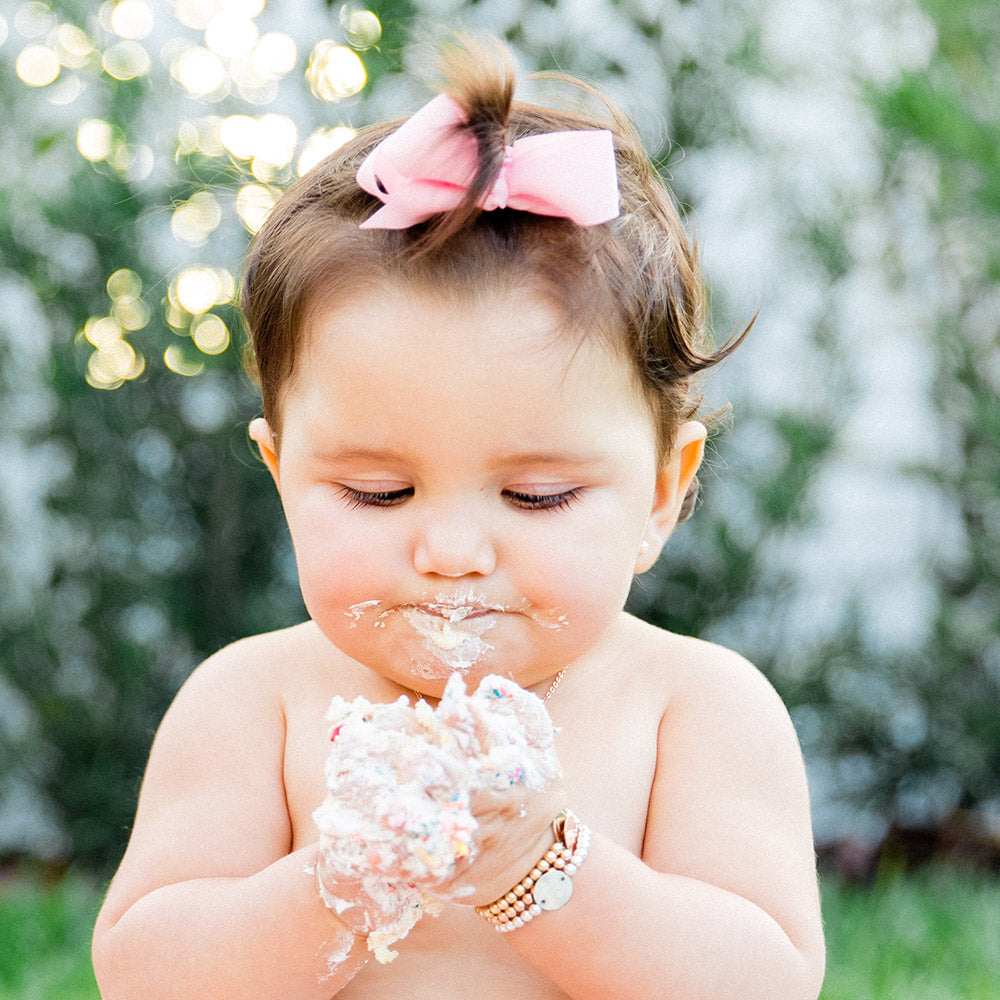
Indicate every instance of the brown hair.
{"type": "Point", "coordinates": [634, 279]}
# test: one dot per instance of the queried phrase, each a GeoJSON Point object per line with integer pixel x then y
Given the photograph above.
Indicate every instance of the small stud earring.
{"type": "Point", "coordinates": [645, 546]}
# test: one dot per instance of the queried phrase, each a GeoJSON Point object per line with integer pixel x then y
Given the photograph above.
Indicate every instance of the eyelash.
{"type": "Point", "coordinates": [523, 501]}
{"type": "Point", "coordinates": [378, 498]}
{"type": "Point", "coordinates": [543, 501]}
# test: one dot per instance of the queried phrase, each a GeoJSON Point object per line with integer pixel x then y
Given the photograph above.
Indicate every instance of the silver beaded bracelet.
{"type": "Point", "coordinates": [549, 884]}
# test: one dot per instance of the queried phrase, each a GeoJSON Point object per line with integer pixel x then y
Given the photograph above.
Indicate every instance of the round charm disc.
{"type": "Point", "coordinates": [552, 890]}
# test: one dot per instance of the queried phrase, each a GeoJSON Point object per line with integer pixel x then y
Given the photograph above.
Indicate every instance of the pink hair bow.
{"type": "Point", "coordinates": [426, 165]}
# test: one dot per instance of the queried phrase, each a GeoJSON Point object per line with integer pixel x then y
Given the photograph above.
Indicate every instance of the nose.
{"type": "Point", "coordinates": [453, 545]}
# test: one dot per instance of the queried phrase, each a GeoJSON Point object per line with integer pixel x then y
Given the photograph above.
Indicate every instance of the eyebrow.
{"type": "Point", "coordinates": [359, 454]}
{"type": "Point", "coordinates": [555, 458]}
{"type": "Point", "coordinates": [528, 458]}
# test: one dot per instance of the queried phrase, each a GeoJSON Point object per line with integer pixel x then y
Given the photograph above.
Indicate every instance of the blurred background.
{"type": "Point", "coordinates": [838, 162]}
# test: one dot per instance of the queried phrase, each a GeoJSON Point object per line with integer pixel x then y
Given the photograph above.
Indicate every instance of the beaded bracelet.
{"type": "Point", "coordinates": [549, 884]}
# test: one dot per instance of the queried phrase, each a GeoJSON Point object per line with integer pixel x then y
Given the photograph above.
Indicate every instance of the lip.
{"type": "Point", "coordinates": [453, 633]}
{"type": "Point", "coordinates": [457, 608]}
{"type": "Point", "coordinates": [456, 612]}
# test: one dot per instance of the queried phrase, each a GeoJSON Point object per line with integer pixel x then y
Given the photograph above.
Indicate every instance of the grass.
{"type": "Point", "coordinates": [934, 935]}
{"type": "Point", "coordinates": [45, 939]}
{"type": "Point", "coordinates": [930, 936]}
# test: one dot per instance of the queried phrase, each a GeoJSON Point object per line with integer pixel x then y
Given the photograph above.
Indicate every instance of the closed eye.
{"type": "Point", "coordinates": [374, 498]}
{"type": "Point", "coordinates": [543, 501]}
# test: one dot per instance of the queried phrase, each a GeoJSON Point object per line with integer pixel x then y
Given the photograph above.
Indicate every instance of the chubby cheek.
{"type": "Point", "coordinates": [337, 567]}
{"type": "Point", "coordinates": [583, 580]}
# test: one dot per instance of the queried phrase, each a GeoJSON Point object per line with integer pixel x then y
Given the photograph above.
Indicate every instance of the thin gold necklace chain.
{"type": "Point", "coordinates": [545, 697]}
{"type": "Point", "coordinates": [552, 689]}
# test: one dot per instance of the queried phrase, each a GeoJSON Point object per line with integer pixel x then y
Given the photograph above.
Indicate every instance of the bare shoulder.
{"type": "Point", "coordinates": [720, 695]}
{"type": "Point", "coordinates": [252, 677]}
{"type": "Point", "coordinates": [688, 674]}
{"type": "Point", "coordinates": [227, 723]}
{"type": "Point", "coordinates": [691, 674]}
{"type": "Point", "coordinates": [212, 800]}
{"type": "Point", "coordinates": [266, 660]}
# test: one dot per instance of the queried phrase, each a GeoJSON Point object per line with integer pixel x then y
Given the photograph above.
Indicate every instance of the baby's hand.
{"type": "Point", "coordinates": [445, 802]}
{"type": "Point", "coordinates": [517, 789]}
{"type": "Point", "coordinates": [514, 830]}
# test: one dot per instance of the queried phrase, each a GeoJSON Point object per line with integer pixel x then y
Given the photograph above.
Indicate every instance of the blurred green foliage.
{"type": "Point", "coordinates": [952, 684]}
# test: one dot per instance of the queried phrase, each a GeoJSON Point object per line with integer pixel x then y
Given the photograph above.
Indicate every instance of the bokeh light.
{"type": "Point", "coordinates": [131, 314]}
{"type": "Point", "coordinates": [128, 309]}
{"type": "Point", "coordinates": [361, 26]}
{"type": "Point", "coordinates": [238, 134]}
{"type": "Point", "coordinates": [269, 142]}
{"type": "Point", "coordinates": [38, 65]}
{"type": "Point", "coordinates": [276, 140]}
{"type": "Point", "coordinates": [93, 139]}
{"type": "Point", "coordinates": [253, 205]}
{"type": "Point", "coordinates": [229, 55]}
{"type": "Point", "coordinates": [246, 8]}
{"type": "Point", "coordinates": [335, 71]}
{"type": "Point", "coordinates": [177, 360]}
{"type": "Point", "coordinates": [131, 19]}
{"type": "Point", "coordinates": [114, 360]}
{"type": "Point", "coordinates": [194, 220]}
{"type": "Point", "coordinates": [210, 334]}
{"type": "Point", "coordinates": [201, 73]}
{"type": "Point", "coordinates": [187, 139]}
{"type": "Point", "coordinates": [176, 317]}
{"type": "Point", "coordinates": [196, 13]}
{"type": "Point", "coordinates": [231, 35]}
{"type": "Point", "coordinates": [320, 145]}
{"type": "Point", "coordinates": [126, 60]}
{"type": "Point", "coordinates": [102, 331]}
{"type": "Point", "coordinates": [133, 162]}
{"type": "Point", "coordinates": [73, 46]}
{"type": "Point", "coordinates": [124, 284]}
{"type": "Point", "coordinates": [67, 90]}
{"type": "Point", "coordinates": [197, 289]}
{"type": "Point", "coordinates": [34, 20]}
{"type": "Point", "coordinates": [274, 55]}
{"type": "Point", "coordinates": [113, 365]}
{"type": "Point", "coordinates": [201, 136]}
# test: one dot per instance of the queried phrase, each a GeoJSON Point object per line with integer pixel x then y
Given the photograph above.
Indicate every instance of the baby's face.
{"type": "Point", "coordinates": [467, 486]}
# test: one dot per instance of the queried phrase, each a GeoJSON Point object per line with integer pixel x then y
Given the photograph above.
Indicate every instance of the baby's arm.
{"type": "Point", "coordinates": [208, 902]}
{"type": "Point", "coordinates": [723, 904]}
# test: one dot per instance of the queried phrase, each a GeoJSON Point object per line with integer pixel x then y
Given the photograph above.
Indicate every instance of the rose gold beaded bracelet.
{"type": "Point", "coordinates": [549, 884]}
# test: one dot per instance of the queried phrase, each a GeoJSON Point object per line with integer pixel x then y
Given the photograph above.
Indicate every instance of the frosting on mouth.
{"type": "Point", "coordinates": [452, 626]}
{"type": "Point", "coordinates": [453, 635]}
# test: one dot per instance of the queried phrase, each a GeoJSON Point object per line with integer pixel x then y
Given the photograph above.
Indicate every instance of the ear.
{"type": "Point", "coordinates": [263, 437]}
{"type": "Point", "coordinates": [675, 478]}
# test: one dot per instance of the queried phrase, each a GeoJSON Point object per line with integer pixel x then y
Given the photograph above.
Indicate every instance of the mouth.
{"type": "Point", "coordinates": [454, 609]}
{"type": "Point", "coordinates": [450, 627]}
{"type": "Point", "coordinates": [455, 613]}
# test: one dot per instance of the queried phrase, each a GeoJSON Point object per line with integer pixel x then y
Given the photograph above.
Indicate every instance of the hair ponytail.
{"type": "Point", "coordinates": [480, 78]}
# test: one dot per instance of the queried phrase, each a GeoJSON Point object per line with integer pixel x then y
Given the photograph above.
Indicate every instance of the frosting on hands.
{"type": "Point", "coordinates": [404, 789]}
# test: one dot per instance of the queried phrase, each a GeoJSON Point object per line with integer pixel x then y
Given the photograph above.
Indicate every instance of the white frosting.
{"type": "Point", "coordinates": [456, 640]}
{"type": "Point", "coordinates": [452, 626]}
{"type": "Point", "coordinates": [338, 953]}
{"type": "Point", "coordinates": [355, 611]}
{"type": "Point", "coordinates": [396, 819]}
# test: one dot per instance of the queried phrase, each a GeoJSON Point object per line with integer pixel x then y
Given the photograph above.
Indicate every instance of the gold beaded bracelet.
{"type": "Point", "coordinates": [549, 884]}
